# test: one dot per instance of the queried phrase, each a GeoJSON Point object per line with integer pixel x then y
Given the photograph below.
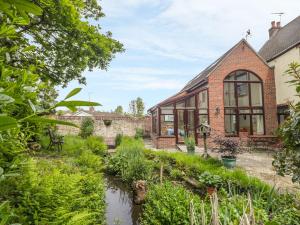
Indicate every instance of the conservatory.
{"type": "Point", "coordinates": [233, 96]}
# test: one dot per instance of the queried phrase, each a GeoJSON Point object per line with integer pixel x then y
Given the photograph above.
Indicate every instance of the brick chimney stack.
{"type": "Point", "coordinates": [275, 27]}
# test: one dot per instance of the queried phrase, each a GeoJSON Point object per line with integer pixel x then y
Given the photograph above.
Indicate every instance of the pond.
{"type": "Point", "coordinates": [120, 209]}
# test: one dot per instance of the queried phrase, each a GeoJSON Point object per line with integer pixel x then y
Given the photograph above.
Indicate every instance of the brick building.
{"type": "Point", "coordinates": [235, 95]}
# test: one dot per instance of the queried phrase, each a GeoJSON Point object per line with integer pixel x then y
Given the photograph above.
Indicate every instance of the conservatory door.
{"type": "Point", "coordinates": [185, 124]}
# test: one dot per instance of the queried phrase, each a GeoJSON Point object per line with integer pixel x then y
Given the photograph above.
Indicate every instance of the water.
{"type": "Point", "coordinates": [120, 209]}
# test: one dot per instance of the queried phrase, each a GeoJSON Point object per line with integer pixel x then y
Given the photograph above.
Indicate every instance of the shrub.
{"type": "Point", "coordinates": [228, 146]}
{"type": "Point", "coordinates": [97, 145]}
{"type": "Point", "coordinates": [210, 180]}
{"type": "Point", "coordinates": [168, 204]}
{"type": "Point", "coordinates": [139, 133]}
{"type": "Point", "coordinates": [56, 191]}
{"type": "Point", "coordinates": [130, 162]}
{"type": "Point", "coordinates": [190, 144]}
{"type": "Point", "coordinates": [87, 127]}
{"type": "Point", "coordinates": [87, 160]}
{"type": "Point", "coordinates": [118, 139]}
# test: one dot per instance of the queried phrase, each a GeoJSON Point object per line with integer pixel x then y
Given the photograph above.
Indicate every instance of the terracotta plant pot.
{"type": "Point", "coordinates": [229, 161]}
{"type": "Point", "coordinates": [211, 190]}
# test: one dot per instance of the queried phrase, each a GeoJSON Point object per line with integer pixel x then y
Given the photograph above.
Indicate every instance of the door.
{"type": "Point", "coordinates": [185, 124]}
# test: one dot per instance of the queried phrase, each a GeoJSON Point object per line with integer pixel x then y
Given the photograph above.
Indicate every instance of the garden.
{"type": "Point", "coordinates": [49, 179]}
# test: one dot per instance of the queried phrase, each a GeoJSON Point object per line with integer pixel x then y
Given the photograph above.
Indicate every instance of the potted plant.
{"type": "Point", "coordinates": [229, 148]}
{"type": "Point", "coordinates": [190, 144]}
{"type": "Point", "coordinates": [212, 182]}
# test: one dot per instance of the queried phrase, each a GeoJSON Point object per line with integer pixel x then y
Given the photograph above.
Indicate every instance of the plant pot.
{"type": "Point", "coordinates": [229, 161]}
{"type": "Point", "coordinates": [211, 190]}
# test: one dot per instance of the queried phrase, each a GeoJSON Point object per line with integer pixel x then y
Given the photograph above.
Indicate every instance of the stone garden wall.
{"type": "Point", "coordinates": [119, 125]}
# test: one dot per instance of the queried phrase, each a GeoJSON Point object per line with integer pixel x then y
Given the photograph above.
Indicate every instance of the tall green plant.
{"type": "Point", "coordinates": [87, 127]}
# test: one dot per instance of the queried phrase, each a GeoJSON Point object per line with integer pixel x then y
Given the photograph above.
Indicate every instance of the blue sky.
{"type": "Point", "coordinates": [168, 42]}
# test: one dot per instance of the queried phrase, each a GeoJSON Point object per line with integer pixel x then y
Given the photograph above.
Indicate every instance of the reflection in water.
{"type": "Point", "coordinates": [120, 209]}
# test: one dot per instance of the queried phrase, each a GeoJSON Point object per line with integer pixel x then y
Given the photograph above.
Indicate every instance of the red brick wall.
{"type": "Point", "coordinates": [242, 58]}
{"type": "Point", "coordinates": [164, 142]}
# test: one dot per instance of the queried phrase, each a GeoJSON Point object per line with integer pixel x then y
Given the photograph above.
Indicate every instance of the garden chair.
{"type": "Point", "coordinates": [55, 140]}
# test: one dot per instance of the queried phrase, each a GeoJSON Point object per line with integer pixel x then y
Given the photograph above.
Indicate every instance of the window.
{"type": "Point", "coordinates": [282, 113]}
{"type": "Point", "coordinates": [203, 108]}
{"type": "Point", "coordinates": [154, 122]}
{"type": "Point", "coordinates": [243, 104]}
{"type": "Point", "coordinates": [167, 120]}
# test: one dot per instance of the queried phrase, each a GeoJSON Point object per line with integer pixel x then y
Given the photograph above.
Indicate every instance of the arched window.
{"type": "Point", "coordinates": [243, 103]}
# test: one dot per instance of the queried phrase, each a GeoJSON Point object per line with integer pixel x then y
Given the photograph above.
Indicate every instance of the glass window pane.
{"type": "Point", "coordinates": [167, 111]}
{"type": "Point", "coordinates": [256, 94]}
{"type": "Point", "coordinates": [230, 111]}
{"type": "Point", "coordinates": [244, 122]}
{"type": "Point", "coordinates": [245, 111]}
{"type": "Point", "coordinates": [181, 128]}
{"type": "Point", "coordinates": [167, 107]}
{"type": "Point", "coordinates": [180, 105]}
{"type": "Point", "coordinates": [229, 95]}
{"type": "Point", "coordinates": [154, 122]}
{"type": "Point", "coordinates": [253, 77]}
{"type": "Point", "coordinates": [242, 75]}
{"type": "Point", "coordinates": [258, 111]}
{"type": "Point", "coordinates": [203, 111]}
{"type": "Point", "coordinates": [167, 126]}
{"type": "Point", "coordinates": [230, 124]}
{"type": "Point", "coordinates": [258, 124]}
{"type": "Point", "coordinates": [203, 100]}
{"type": "Point", "coordinates": [230, 77]}
{"type": "Point", "coordinates": [190, 102]}
{"type": "Point", "coordinates": [243, 94]}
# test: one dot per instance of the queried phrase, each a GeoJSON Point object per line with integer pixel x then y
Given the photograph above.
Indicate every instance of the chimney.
{"type": "Point", "coordinates": [274, 29]}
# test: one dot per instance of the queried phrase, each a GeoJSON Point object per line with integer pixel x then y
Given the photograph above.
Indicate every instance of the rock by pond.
{"type": "Point", "coordinates": [120, 209]}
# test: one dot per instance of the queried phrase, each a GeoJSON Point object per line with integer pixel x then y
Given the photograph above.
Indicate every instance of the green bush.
{"type": "Point", "coordinates": [118, 139]}
{"type": "Point", "coordinates": [129, 161]}
{"type": "Point", "coordinates": [97, 145]}
{"type": "Point", "coordinates": [139, 133]}
{"type": "Point", "coordinates": [87, 127]}
{"type": "Point", "coordinates": [55, 188]}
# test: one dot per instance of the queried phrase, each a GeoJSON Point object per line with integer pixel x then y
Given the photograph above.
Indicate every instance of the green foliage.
{"type": "Point", "coordinates": [287, 161]}
{"type": "Point", "coordinates": [129, 161]}
{"type": "Point", "coordinates": [210, 180]}
{"type": "Point", "coordinates": [119, 110]}
{"type": "Point", "coordinates": [190, 144]}
{"type": "Point", "coordinates": [168, 204]}
{"type": "Point", "coordinates": [97, 145]}
{"type": "Point", "coordinates": [140, 106]}
{"type": "Point", "coordinates": [118, 139]}
{"type": "Point", "coordinates": [63, 189]}
{"type": "Point", "coordinates": [139, 133]}
{"type": "Point", "coordinates": [137, 107]}
{"type": "Point", "coordinates": [54, 30]}
{"type": "Point", "coordinates": [233, 186]}
{"type": "Point", "coordinates": [87, 127]}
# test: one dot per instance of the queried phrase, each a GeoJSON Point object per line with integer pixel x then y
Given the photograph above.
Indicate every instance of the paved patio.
{"type": "Point", "coordinates": [256, 163]}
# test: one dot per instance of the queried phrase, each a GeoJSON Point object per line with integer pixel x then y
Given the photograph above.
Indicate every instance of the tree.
{"type": "Point", "coordinates": [140, 107]}
{"type": "Point", "coordinates": [132, 107]}
{"type": "Point", "coordinates": [287, 161]}
{"type": "Point", "coordinates": [63, 43]}
{"type": "Point", "coordinates": [119, 109]}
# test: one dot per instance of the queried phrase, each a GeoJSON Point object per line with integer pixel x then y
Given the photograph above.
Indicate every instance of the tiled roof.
{"type": "Point", "coordinates": [286, 38]}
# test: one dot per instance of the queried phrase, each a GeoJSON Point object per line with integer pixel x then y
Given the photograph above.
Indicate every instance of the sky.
{"type": "Point", "coordinates": [168, 42]}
